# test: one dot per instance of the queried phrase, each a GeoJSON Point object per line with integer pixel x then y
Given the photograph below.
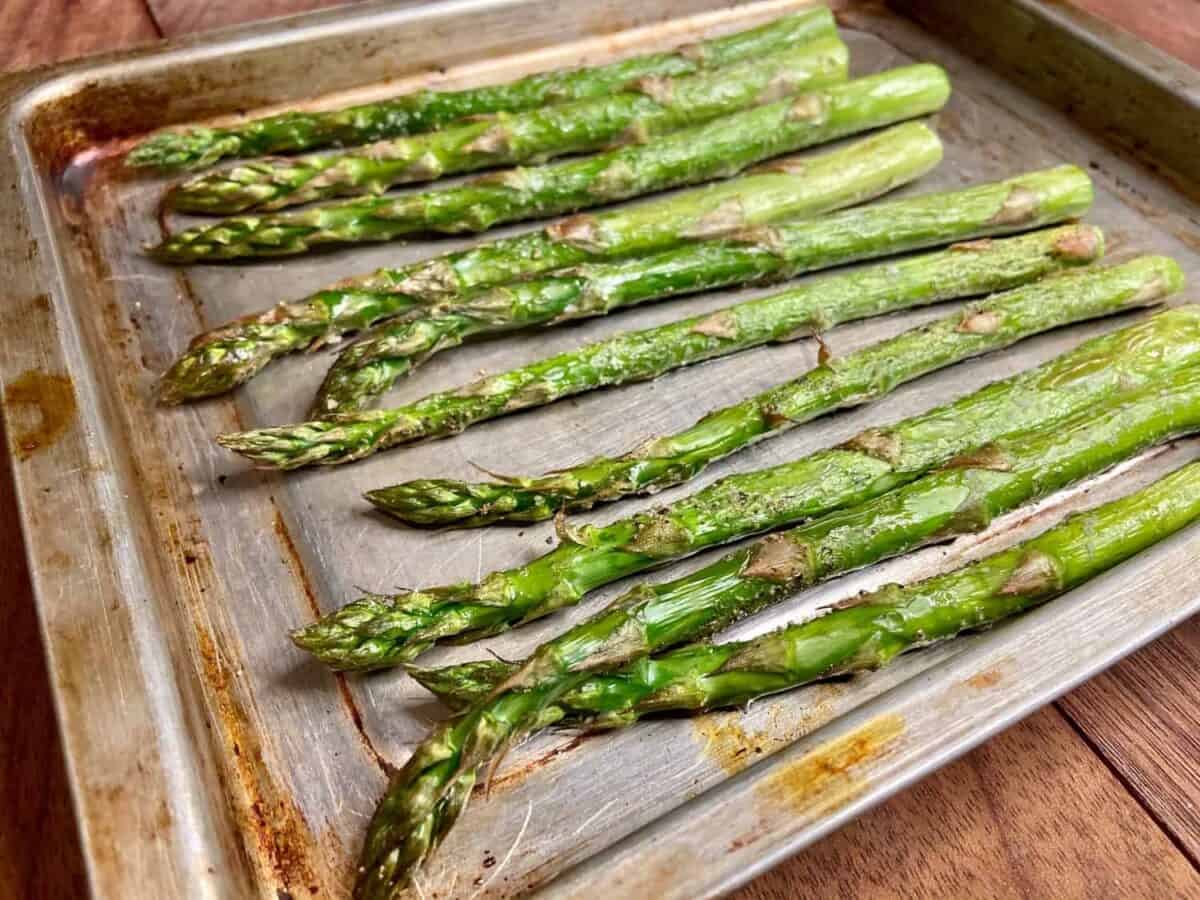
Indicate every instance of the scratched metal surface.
{"type": "Point", "coordinates": [269, 765]}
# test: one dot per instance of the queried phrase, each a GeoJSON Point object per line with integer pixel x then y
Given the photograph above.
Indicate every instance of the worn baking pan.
{"type": "Point", "coordinates": [208, 756]}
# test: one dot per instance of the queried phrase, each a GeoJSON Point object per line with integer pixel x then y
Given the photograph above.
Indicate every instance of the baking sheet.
{"type": "Point", "coordinates": [211, 757]}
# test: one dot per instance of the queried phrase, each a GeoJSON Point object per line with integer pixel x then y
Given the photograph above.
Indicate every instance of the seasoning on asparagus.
{"type": "Point", "coordinates": [426, 110]}
{"type": "Point", "coordinates": [425, 799]}
{"type": "Point", "coordinates": [963, 497]}
{"type": "Point", "coordinates": [639, 355]}
{"type": "Point", "coordinates": [369, 367]}
{"type": "Point", "coordinates": [378, 630]}
{"type": "Point", "coordinates": [232, 354]}
{"type": "Point", "coordinates": [635, 114]}
{"type": "Point", "coordinates": [717, 149]}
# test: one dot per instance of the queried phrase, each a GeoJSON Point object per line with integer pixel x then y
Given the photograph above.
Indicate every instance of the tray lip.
{"type": "Point", "coordinates": [22, 92]}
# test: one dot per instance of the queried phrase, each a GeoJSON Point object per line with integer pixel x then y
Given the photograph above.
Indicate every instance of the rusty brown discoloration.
{"type": "Point", "coordinates": [988, 678]}
{"type": "Point", "coordinates": [432, 279]}
{"type": "Point", "coordinates": [51, 398]}
{"type": "Point", "coordinates": [787, 165]}
{"type": "Point", "coordinates": [824, 780]}
{"type": "Point", "coordinates": [517, 777]}
{"type": "Point", "coordinates": [1036, 574]}
{"type": "Point", "coordinates": [983, 321]}
{"type": "Point", "coordinates": [779, 559]}
{"type": "Point", "coordinates": [722, 324]}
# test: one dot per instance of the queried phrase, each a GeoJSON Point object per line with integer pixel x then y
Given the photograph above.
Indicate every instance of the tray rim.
{"type": "Point", "coordinates": [71, 463]}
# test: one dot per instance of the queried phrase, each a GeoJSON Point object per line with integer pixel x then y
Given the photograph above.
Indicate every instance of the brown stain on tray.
{"type": "Point", "coordinates": [825, 780]}
{"type": "Point", "coordinates": [52, 398]}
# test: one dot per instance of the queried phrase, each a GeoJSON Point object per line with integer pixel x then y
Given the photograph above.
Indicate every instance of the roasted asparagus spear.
{"type": "Point", "coordinates": [716, 149]}
{"type": "Point", "coordinates": [640, 355]}
{"type": "Point", "coordinates": [225, 357]}
{"type": "Point", "coordinates": [377, 630]}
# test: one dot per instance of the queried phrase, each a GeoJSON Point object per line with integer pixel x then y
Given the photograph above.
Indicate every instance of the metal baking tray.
{"type": "Point", "coordinates": [211, 758]}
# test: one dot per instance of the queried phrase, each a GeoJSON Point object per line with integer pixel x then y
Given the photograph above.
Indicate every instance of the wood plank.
{"type": "Point", "coordinates": [176, 17]}
{"type": "Point", "coordinates": [1171, 25]}
{"type": "Point", "coordinates": [1143, 717]}
{"type": "Point", "coordinates": [1032, 813]}
{"type": "Point", "coordinates": [39, 32]}
{"type": "Point", "coordinates": [39, 845]}
{"type": "Point", "coordinates": [40, 856]}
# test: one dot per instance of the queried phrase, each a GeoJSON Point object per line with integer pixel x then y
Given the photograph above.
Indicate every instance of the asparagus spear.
{"type": "Point", "coordinates": [634, 114]}
{"type": "Point", "coordinates": [717, 149]}
{"type": "Point", "coordinates": [232, 354]}
{"type": "Point", "coordinates": [370, 366]}
{"type": "Point", "coordinates": [639, 355]}
{"type": "Point", "coordinates": [867, 632]}
{"type": "Point", "coordinates": [963, 497]}
{"type": "Point", "coordinates": [427, 110]}
{"type": "Point", "coordinates": [377, 631]}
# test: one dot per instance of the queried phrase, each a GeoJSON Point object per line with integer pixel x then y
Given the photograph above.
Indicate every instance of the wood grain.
{"type": "Point", "coordinates": [39, 32]}
{"type": "Point", "coordinates": [1035, 812]}
{"type": "Point", "coordinates": [1144, 718]}
{"type": "Point", "coordinates": [1171, 25]}
{"type": "Point", "coordinates": [39, 847]}
{"type": "Point", "coordinates": [177, 17]}
{"type": "Point", "coordinates": [1032, 813]}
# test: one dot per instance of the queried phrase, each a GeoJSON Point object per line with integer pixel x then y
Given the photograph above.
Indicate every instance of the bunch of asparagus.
{"type": "Point", "coordinates": [234, 353]}
{"type": "Point", "coordinates": [429, 110]}
{"type": "Point", "coordinates": [732, 106]}
{"type": "Point", "coordinates": [425, 799]}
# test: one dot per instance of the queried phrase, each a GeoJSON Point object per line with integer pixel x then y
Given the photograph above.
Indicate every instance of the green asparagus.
{"type": "Point", "coordinates": [370, 366]}
{"type": "Point", "coordinates": [640, 355]}
{"type": "Point", "coordinates": [866, 632]}
{"type": "Point", "coordinates": [426, 110]}
{"type": "Point", "coordinates": [963, 497]}
{"type": "Point", "coordinates": [716, 149]}
{"type": "Point", "coordinates": [640, 111]}
{"type": "Point", "coordinates": [377, 631]}
{"type": "Point", "coordinates": [788, 188]}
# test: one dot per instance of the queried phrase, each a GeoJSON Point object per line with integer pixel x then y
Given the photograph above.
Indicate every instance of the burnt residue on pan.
{"type": "Point", "coordinates": [51, 397]}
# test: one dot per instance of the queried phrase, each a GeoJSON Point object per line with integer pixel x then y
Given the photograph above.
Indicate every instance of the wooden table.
{"type": "Point", "coordinates": [1096, 796]}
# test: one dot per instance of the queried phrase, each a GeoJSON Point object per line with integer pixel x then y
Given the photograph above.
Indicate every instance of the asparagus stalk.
{"type": "Point", "coordinates": [377, 631]}
{"type": "Point", "coordinates": [426, 110]}
{"type": "Point", "coordinates": [865, 633]}
{"type": "Point", "coordinates": [638, 112]}
{"type": "Point", "coordinates": [963, 497]}
{"type": "Point", "coordinates": [640, 355]}
{"type": "Point", "coordinates": [789, 188]}
{"type": "Point", "coordinates": [370, 366]}
{"type": "Point", "coordinates": [716, 149]}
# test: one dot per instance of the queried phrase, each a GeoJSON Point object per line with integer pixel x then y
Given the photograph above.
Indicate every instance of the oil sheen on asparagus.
{"type": "Point", "coordinates": [716, 149]}
{"type": "Point", "coordinates": [427, 110]}
{"type": "Point", "coordinates": [964, 496]}
{"type": "Point", "coordinates": [640, 355]}
{"type": "Point", "coordinates": [368, 367]}
{"type": "Point", "coordinates": [637, 113]}
{"type": "Point", "coordinates": [225, 357]}
{"type": "Point", "coordinates": [428, 795]}
{"type": "Point", "coordinates": [379, 630]}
